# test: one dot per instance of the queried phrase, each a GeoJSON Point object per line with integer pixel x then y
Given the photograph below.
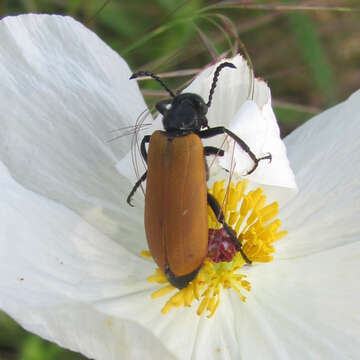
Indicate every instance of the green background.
{"type": "Point", "coordinates": [307, 51]}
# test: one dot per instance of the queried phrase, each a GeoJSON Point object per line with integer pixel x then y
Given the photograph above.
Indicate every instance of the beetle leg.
{"type": "Point", "coordinates": [137, 184]}
{"type": "Point", "coordinates": [161, 106]}
{"type": "Point", "coordinates": [145, 140]}
{"type": "Point", "coordinates": [212, 150]}
{"type": "Point", "coordinates": [223, 130]}
{"type": "Point", "coordinates": [216, 208]}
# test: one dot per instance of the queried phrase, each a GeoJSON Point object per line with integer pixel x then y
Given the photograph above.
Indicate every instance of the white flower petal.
{"type": "Point", "coordinates": [56, 272]}
{"type": "Point", "coordinates": [81, 328]}
{"type": "Point", "coordinates": [126, 167]}
{"type": "Point", "coordinates": [44, 241]}
{"type": "Point", "coordinates": [63, 92]}
{"type": "Point", "coordinates": [325, 153]}
{"type": "Point", "coordinates": [259, 128]}
{"type": "Point", "coordinates": [216, 337]}
{"type": "Point", "coordinates": [303, 308]}
{"type": "Point", "coordinates": [177, 330]}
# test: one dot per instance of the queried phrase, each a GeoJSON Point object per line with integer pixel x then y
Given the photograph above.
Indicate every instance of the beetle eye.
{"type": "Point", "coordinates": [201, 107]}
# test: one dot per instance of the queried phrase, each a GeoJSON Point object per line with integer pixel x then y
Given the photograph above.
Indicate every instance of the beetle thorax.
{"type": "Point", "coordinates": [186, 113]}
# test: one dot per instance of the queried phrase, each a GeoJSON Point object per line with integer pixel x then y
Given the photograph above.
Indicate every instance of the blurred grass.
{"type": "Point", "coordinates": [17, 344]}
{"type": "Point", "coordinates": [309, 58]}
{"type": "Point", "coordinates": [314, 55]}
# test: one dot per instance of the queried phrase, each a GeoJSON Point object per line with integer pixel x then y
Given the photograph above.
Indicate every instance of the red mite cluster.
{"type": "Point", "coordinates": [221, 247]}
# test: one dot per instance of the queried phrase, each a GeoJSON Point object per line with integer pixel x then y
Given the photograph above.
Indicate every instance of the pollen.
{"type": "Point", "coordinates": [257, 229]}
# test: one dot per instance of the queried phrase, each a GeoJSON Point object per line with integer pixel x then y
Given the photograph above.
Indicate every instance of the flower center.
{"type": "Point", "coordinates": [220, 247]}
{"type": "Point", "coordinates": [256, 229]}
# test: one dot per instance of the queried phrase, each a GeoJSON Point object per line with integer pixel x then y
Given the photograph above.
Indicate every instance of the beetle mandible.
{"type": "Point", "coordinates": [176, 198]}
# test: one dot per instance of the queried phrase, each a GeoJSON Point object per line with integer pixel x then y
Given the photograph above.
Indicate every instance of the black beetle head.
{"type": "Point", "coordinates": [186, 113]}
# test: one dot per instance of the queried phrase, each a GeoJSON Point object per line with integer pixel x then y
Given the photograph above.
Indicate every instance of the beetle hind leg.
{"type": "Point", "coordinates": [216, 208]}
{"type": "Point", "coordinates": [137, 184]}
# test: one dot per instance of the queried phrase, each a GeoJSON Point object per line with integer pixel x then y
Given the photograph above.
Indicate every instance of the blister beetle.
{"type": "Point", "coordinates": [176, 197]}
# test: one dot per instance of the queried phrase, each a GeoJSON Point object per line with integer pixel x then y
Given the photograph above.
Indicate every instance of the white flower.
{"type": "Point", "coordinates": [70, 268]}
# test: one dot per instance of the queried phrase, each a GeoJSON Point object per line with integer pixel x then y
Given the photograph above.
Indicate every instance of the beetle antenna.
{"type": "Point", "coordinates": [155, 77]}
{"type": "Point", "coordinates": [215, 79]}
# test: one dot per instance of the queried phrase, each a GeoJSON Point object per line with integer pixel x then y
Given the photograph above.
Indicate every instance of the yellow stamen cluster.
{"type": "Point", "coordinates": [253, 221]}
{"type": "Point", "coordinates": [205, 287]}
{"type": "Point", "coordinates": [250, 217]}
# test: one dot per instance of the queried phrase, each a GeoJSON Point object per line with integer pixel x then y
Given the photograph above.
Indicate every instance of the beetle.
{"type": "Point", "coordinates": [176, 197]}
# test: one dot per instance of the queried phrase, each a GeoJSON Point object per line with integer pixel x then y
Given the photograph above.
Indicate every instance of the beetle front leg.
{"type": "Point", "coordinates": [212, 150]}
{"type": "Point", "coordinates": [145, 140]}
{"type": "Point", "coordinates": [137, 184]}
{"type": "Point", "coordinates": [223, 130]}
{"type": "Point", "coordinates": [216, 208]}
